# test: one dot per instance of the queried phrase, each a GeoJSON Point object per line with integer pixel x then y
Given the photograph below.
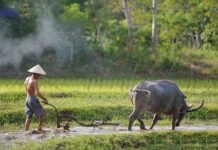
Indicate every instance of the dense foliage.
{"type": "Point", "coordinates": [95, 37]}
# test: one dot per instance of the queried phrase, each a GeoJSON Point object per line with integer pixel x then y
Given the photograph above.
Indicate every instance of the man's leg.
{"type": "Point", "coordinates": [29, 115]}
{"type": "Point", "coordinates": [27, 124]}
{"type": "Point", "coordinates": [40, 113]}
{"type": "Point", "coordinates": [41, 121]}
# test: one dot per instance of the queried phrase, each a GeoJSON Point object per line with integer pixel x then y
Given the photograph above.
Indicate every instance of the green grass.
{"type": "Point", "coordinates": [100, 99]}
{"type": "Point", "coordinates": [185, 63]}
{"type": "Point", "coordinates": [144, 140]}
{"type": "Point", "coordinates": [108, 100]}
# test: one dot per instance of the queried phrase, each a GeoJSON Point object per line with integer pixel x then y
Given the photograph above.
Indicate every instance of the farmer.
{"type": "Point", "coordinates": [32, 103]}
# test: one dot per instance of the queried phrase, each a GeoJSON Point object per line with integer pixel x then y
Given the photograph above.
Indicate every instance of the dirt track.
{"type": "Point", "coordinates": [7, 139]}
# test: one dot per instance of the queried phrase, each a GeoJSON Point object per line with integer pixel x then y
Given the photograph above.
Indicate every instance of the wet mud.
{"type": "Point", "coordinates": [8, 139]}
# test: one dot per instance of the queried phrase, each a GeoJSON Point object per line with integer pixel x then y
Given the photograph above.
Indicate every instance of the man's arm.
{"type": "Point", "coordinates": [38, 93]}
{"type": "Point", "coordinates": [25, 83]}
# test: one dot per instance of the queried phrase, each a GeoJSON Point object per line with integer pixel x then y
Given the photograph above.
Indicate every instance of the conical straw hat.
{"type": "Point", "coordinates": [37, 69]}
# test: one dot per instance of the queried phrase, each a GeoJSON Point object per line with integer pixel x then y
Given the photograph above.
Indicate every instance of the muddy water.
{"type": "Point", "coordinates": [8, 139]}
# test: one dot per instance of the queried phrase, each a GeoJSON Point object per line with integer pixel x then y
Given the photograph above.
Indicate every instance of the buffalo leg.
{"type": "Point", "coordinates": [175, 116]}
{"type": "Point", "coordinates": [142, 125]}
{"type": "Point", "coordinates": [133, 116]}
{"type": "Point", "coordinates": [155, 119]}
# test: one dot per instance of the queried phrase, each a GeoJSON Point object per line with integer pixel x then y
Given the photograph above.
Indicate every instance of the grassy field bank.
{"type": "Point", "coordinates": [144, 140]}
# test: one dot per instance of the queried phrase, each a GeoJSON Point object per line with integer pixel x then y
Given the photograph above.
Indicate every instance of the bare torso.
{"type": "Point", "coordinates": [30, 86]}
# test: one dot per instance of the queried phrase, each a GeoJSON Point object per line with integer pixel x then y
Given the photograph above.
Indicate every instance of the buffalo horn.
{"type": "Point", "coordinates": [195, 109]}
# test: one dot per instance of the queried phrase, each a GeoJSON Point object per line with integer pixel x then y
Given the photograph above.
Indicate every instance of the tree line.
{"type": "Point", "coordinates": [114, 33]}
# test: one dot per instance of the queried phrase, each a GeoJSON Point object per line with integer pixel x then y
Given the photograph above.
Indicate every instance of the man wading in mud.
{"type": "Point", "coordinates": [32, 103]}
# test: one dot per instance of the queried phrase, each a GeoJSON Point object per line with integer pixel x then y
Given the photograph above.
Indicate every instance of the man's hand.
{"type": "Point", "coordinates": [45, 101]}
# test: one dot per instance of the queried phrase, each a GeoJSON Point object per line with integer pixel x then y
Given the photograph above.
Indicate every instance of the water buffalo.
{"type": "Point", "coordinates": [158, 97]}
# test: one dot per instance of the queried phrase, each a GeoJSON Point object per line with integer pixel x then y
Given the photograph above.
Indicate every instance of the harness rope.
{"type": "Point", "coordinates": [94, 124]}
{"type": "Point", "coordinates": [62, 91]}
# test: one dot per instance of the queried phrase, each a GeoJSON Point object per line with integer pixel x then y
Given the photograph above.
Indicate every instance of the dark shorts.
{"type": "Point", "coordinates": [33, 106]}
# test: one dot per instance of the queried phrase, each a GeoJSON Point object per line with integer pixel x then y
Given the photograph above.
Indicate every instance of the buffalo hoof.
{"type": "Point", "coordinates": [173, 129]}
{"type": "Point", "coordinates": [143, 128]}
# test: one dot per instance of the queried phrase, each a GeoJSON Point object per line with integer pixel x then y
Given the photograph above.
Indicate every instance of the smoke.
{"type": "Point", "coordinates": [13, 49]}
{"type": "Point", "coordinates": [66, 37]}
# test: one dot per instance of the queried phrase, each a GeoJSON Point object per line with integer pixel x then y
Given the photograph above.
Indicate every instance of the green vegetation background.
{"type": "Point", "coordinates": [102, 44]}
{"type": "Point", "coordinates": [98, 33]}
